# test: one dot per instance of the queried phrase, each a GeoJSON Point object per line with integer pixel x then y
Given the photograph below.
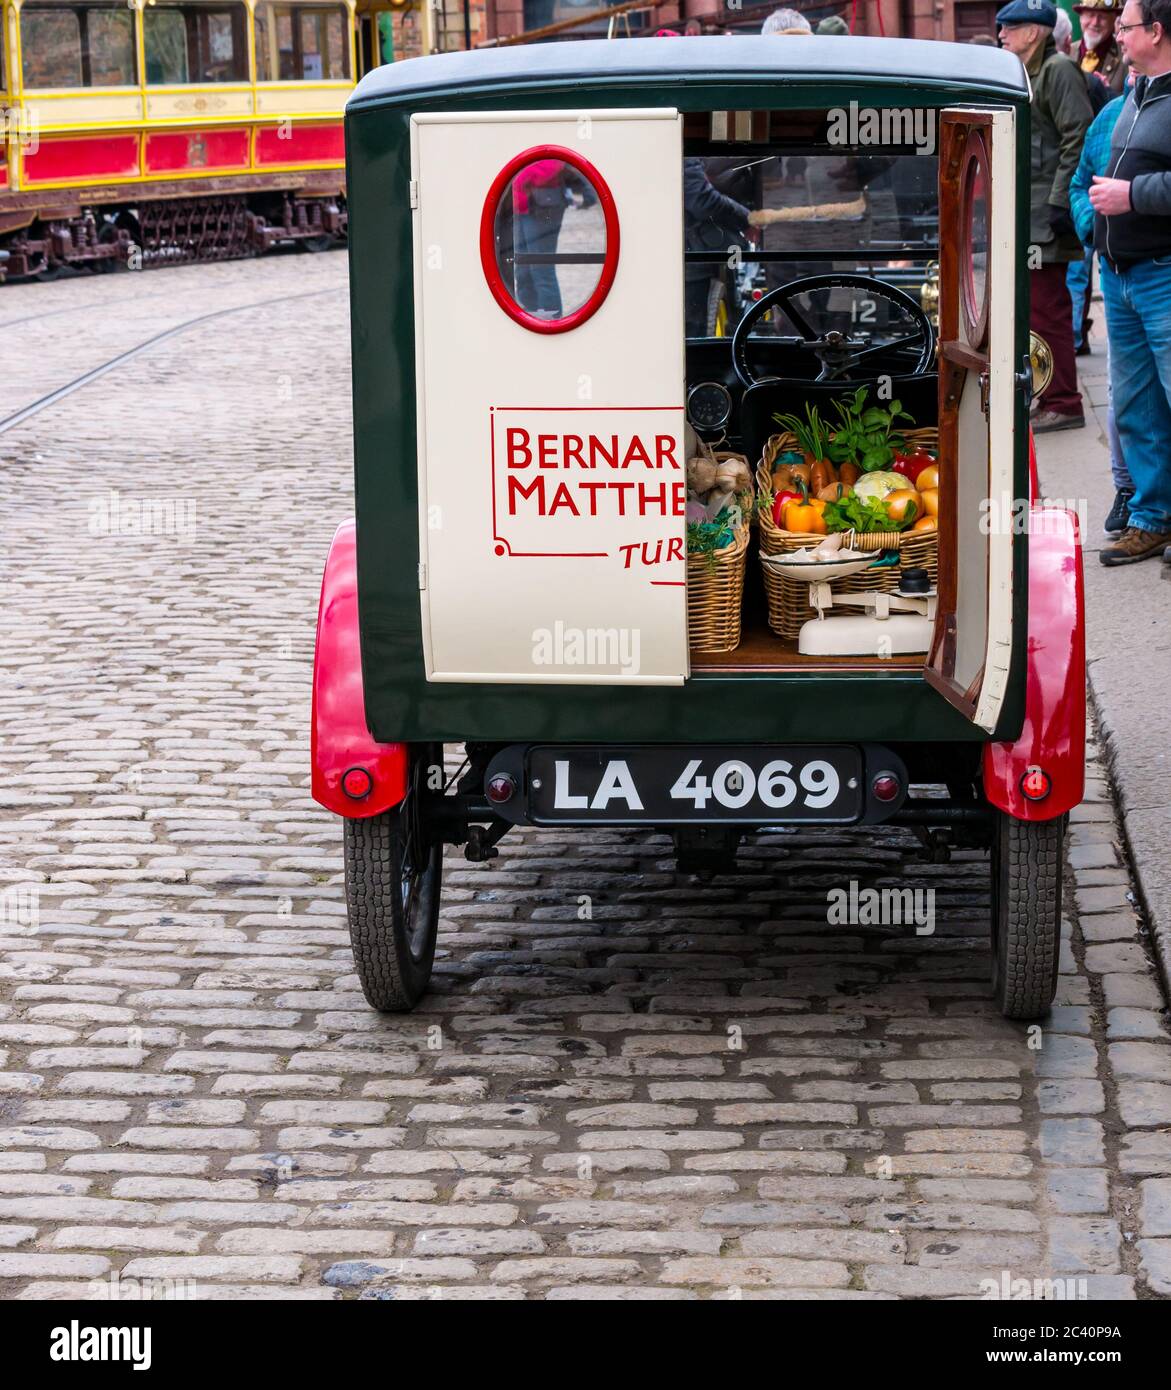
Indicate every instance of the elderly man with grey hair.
{"type": "Point", "coordinates": [786, 22]}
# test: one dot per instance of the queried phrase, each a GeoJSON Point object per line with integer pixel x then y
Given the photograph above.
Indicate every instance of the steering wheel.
{"type": "Point", "coordinates": [838, 353]}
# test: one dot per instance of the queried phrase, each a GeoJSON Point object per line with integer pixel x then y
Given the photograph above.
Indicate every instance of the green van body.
{"type": "Point", "coordinates": [696, 75]}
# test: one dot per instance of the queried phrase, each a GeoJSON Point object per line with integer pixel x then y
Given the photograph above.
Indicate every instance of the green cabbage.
{"type": "Point", "coordinates": [879, 483]}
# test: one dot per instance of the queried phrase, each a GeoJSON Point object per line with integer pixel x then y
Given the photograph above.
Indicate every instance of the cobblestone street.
{"type": "Point", "coordinates": [624, 1083]}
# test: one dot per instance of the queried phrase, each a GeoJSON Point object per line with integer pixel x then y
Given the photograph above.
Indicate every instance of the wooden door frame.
{"type": "Point", "coordinates": [958, 361]}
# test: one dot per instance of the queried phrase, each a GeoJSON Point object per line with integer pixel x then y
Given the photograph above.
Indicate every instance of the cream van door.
{"type": "Point", "coordinates": [550, 379]}
{"type": "Point", "coordinates": [972, 645]}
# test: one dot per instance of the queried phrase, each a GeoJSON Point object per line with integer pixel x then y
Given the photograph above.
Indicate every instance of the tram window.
{"type": "Point", "coordinates": [302, 43]}
{"type": "Point", "coordinates": [194, 43]}
{"type": "Point", "coordinates": [77, 46]}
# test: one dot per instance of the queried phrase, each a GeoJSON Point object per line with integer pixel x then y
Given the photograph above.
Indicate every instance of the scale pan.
{"type": "Point", "coordinates": [813, 571]}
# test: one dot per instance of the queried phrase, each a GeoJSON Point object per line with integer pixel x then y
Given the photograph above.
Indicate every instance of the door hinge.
{"type": "Point", "coordinates": [413, 192]}
{"type": "Point", "coordinates": [985, 385]}
{"type": "Point", "coordinates": [422, 575]}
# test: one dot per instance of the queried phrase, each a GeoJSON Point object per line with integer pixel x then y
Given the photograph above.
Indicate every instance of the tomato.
{"type": "Point", "coordinates": [911, 465]}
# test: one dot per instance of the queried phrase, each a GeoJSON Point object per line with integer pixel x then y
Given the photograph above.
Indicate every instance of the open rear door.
{"type": "Point", "coordinates": [972, 644]}
{"type": "Point", "coordinates": [549, 347]}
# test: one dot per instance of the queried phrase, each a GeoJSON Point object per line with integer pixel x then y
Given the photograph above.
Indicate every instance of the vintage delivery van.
{"type": "Point", "coordinates": [675, 505]}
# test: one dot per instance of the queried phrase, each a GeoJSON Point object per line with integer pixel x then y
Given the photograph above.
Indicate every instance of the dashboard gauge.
{"type": "Point", "coordinates": [709, 405]}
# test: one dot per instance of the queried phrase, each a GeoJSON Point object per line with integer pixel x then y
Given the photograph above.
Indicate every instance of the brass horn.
{"type": "Point", "coordinates": [929, 293]}
{"type": "Point", "coordinates": [1040, 363]}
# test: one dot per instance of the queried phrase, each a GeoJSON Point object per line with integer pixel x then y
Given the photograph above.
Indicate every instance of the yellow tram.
{"type": "Point", "coordinates": [175, 130]}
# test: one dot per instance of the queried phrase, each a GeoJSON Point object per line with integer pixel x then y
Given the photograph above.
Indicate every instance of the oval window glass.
{"type": "Point", "coordinates": [553, 240]}
{"type": "Point", "coordinates": [974, 258]}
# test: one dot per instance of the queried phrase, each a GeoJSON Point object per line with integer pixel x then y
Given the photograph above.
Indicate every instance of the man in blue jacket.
{"type": "Point", "coordinates": [1132, 235]}
{"type": "Point", "coordinates": [1096, 160]}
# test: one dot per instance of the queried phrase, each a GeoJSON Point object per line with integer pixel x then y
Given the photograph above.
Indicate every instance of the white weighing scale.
{"type": "Point", "coordinates": [894, 624]}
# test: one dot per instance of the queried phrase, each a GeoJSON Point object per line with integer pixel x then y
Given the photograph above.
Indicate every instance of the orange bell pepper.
{"type": "Point", "coordinates": [805, 516]}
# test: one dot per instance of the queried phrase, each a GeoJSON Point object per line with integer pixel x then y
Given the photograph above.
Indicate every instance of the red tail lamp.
{"type": "Point", "coordinates": [357, 783]}
{"type": "Point", "coordinates": [885, 787]}
{"type": "Point", "coordinates": [1036, 784]}
{"type": "Point", "coordinates": [501, 788]}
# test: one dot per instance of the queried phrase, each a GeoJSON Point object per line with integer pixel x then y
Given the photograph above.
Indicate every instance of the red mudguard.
{"type": "Point", "coordinates": [340, 739]}
{"type": "Point", "coordinates": [1054, 734]}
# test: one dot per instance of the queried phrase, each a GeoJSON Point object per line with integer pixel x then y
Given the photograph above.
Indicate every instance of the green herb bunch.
{"type": "Point", "coordinates": [706, 538]}
{"type": "Point", "coordinates": [862, 514]}
{"type": "Point", "coordinates": [867, 434]}
{"type": "Point", "coordinates": [812, 433]}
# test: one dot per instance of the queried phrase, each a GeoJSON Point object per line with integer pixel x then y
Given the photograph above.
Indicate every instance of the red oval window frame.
{"type": "Point", "coordinates": [500, 291]}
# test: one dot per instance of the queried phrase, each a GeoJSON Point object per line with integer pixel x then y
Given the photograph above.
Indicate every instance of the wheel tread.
{"type": "Point", "coordinates": [391, 981]}
{"type": "Point", "coordinates": [1027, 882]}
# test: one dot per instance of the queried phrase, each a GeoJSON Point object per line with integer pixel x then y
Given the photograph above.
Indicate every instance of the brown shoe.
{"type": "Point", "coordinates": [1135, 545]}
{"type": "Point", "coordinates": [1046, 421]}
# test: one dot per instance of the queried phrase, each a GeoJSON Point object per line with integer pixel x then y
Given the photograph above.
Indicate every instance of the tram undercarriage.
{"type": "Point", "coordinates": [162, 231]}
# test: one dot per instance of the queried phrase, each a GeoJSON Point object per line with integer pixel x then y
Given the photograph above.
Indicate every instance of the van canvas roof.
{"type": "Point", "coordinates": [792, 58]}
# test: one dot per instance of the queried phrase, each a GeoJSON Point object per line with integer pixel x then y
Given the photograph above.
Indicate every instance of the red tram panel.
{"type": "Point", "coordinates": [175, 131]}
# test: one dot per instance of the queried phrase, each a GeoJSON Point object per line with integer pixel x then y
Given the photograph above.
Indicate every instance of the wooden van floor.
{"type": "Point", "coordinates": [761, 649]}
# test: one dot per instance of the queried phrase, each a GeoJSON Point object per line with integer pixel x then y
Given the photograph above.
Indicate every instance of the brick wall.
{"type": "Point", "coordinates": [504, 18]}
{"type": "Point", "coordinates": [451, 24]}
{"type": "Point", "coordinates": [921, 19]}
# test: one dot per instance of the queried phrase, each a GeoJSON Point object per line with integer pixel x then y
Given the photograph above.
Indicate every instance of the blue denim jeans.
{"type": "Point", "coordinates": [1119, 472]}
{"type": "Point", "coordinates": [1138, 320]}
{"type": "Point", "coordinates": [1077, 277]}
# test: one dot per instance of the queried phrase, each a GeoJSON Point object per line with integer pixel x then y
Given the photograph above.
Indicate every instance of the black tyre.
{"type": "Point", "coordinates": [1027, 862]}
{"type": "Point", "coordinates": [393, 884]}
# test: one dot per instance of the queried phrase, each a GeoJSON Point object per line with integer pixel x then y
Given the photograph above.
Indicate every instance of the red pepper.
{"type": "Point", "coordinates": [911, 465]}
{"type": "Point", "coordinates": [779, 502]}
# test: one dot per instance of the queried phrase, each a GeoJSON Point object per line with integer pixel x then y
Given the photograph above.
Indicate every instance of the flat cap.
{"type": "Point", "coordinates": [1041, 12]}
{"type": "Point", "coordinates": [833, 24]}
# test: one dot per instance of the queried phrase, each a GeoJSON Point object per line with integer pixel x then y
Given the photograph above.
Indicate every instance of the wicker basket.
{"type": "Point", "coordinates": [788, 599]}
{"type": "Point", "coordinates": [715, 592]}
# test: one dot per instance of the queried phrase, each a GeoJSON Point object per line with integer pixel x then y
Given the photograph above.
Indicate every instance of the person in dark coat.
{"type": "Point", "coordinates": [1061, 115]}
{"type": "Point", "coordinates": [712, 223]}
